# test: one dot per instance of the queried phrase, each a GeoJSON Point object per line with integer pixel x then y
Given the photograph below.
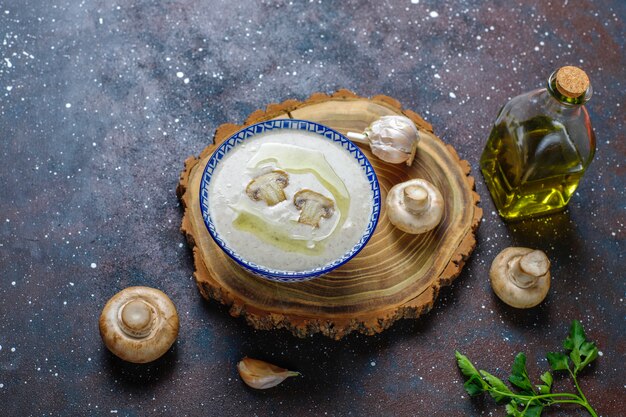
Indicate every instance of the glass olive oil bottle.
{"type": "Point", "coordinates": [540, 146]}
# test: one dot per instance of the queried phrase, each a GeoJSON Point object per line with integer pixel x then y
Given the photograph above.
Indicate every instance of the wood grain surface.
{"type": "Point", "coordinates": [397, 275]}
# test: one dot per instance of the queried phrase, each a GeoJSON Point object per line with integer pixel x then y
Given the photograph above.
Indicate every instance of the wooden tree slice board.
{"type": "Point", "coordinates": [395, 276]}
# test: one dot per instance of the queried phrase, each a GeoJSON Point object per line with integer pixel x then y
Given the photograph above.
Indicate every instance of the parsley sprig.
{"type": "Point", "coordinates": [529, 400]}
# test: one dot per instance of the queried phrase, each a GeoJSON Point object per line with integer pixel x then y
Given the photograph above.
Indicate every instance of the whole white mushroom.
{"type": "Point", "coordinates": [520, 276]}
{"type": "Point", "coordinates": [139, 324]}
{"type": "Point", "coordinates": [415, 206]}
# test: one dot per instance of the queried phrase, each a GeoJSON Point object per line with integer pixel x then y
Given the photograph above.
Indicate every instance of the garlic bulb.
{"type": "Point", "coordinates": [262, 375]}
{"type": "Point", "coordinates": [393, 139]}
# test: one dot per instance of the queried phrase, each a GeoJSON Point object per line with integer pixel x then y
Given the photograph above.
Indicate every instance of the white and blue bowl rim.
{"type": "Point", "coordinates": [324, 132]}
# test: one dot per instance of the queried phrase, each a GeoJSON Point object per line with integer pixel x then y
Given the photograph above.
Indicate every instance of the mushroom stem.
{"type": "Point", "coordinates": [136, 318]}
{"type": "Point", "coordinates": [358, 137]}
{"type": "Point", "coordinates": [416, 199]}
{"type": "Point", "coordinates": [525, 271]}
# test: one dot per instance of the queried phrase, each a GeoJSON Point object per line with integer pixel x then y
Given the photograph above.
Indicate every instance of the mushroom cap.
{"type": "Point", "coordinates": [139, 324]}
{"type": "Point", "coordinates": [528, 291]}
{"type": "Point", "coordinates": [401, 214]}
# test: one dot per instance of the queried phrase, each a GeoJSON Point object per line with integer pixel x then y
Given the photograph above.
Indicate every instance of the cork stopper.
{"type": "Point", "coordinates": [571, 81]}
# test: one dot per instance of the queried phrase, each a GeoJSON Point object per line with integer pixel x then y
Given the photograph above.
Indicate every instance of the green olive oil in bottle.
{"type": "Point", "coordinates": [540, 146]}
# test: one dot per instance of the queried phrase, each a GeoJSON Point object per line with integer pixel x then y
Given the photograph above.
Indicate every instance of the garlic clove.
{"type": "Point", "coordinates": [262, 375]}
{"type": "Point", "coordinates": [388, 153]}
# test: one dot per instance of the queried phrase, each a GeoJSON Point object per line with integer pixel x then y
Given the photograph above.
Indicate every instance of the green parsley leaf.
{"type": "Point", "coordinates": [497, 385]}
{"type": "Point", "coordinates": [533, 411]}
{"type": "Point", "coordinates": [467, 368]}
{"type": "Point", "coordinates": [582, 352]}
{"type": "Point", "coordinates": [557, 361]}
{"type": "Point", "coordinates": [590, 352]}
{"type": "Point", "coordinates": [574, 342]}
{"type": "Point", "coordinates": [519, 375]}
{"type": "Point", "coordinates": [547, 378]}
{"type": "Point", "coordinates": [474, 385]}
{"type": "Point", "coordinates": [512, 409]}
{"type": "Point", "coordinates": [543, 389]}
{"type": "Point", "coordinates": [528, 402]}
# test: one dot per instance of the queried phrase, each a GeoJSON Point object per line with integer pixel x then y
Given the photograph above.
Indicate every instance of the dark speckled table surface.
{"type": "Point", "coordinates": [102, 100]}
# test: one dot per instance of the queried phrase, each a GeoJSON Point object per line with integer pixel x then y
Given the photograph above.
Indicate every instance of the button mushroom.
{"type": "Point", "coordinates": [313, 206]}
{"type": "Point", "coordinates": [520, 276]}
{"type": "Point", "coordinates": [268, 187]}
{"type": "Point", "coordinates": [415, 206]}
{"type": "Point", "coordinates": [139, 324]}
{"type": "Point", "coordinates": [393, 139]}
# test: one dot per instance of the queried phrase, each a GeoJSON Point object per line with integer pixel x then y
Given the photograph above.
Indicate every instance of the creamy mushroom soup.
{"type": "Point", "coordinates": [290, 200]}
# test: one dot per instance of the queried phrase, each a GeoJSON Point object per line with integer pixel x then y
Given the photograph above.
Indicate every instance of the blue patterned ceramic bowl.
{"type": "Point", "coordinates": [323, 133]}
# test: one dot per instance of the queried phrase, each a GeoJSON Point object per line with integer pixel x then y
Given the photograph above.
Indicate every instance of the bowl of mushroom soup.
{"type": "Point", "coordinates": [289, 200]}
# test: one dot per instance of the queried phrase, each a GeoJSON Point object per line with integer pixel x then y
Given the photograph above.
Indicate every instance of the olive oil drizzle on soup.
{"type": "Point", "coordinates": [271, 236]}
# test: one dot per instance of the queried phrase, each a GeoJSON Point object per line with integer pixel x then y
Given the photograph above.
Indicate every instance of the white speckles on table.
{"type": "Point", "coordinates": [103, 101]}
